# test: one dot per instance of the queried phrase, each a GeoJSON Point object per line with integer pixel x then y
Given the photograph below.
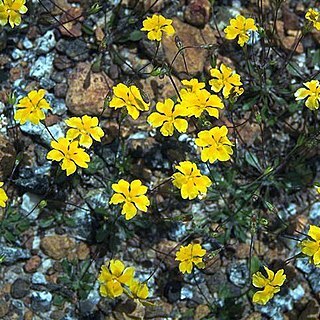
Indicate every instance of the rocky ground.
{"type": "Point", "coordinates": [54, 249]}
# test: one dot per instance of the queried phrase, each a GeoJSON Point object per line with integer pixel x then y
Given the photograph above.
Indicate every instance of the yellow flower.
{"type": "Point", "coordinates": [270, 285]}
{"type": "Point", "coordinates": [195, 103]}
{"type": "Point", "coordinates": [70, 154]}
{"type": "Point", "coordinates": [30, 108]}
{"type": "Point", "coordinates": [139, 290]}
{"type": "Point", "coordinates": [168, 118]}
{"type": "Point", "coordinates": [189, 255]}
{"type": "Point", "coordinates": [133, 196]}
{"type": "Point", "coordinates": [225, 79]}
{"type": "Point", "coordinates": [156, 25]}
{"type": "Point", "coordinates": [311, 248]}
{"type": "Point", "coordinates": [11, 10]}
{"type": "Point", "coordinates": [192, 85]}
{"type": "Point", "coordinates": [214, 144]}
{"type": "Point", "coordinates": [112, 278]}
{"type": "Point", "coordinates": [129, 97]}
{"type": "Point", "coordinates": [240, 26]}
{"type": "Point", "coordinates": [313, 94]}
{"type": "Point", "coordinates": [190, 180]}
{"type": "Point", "coordinates": [3, 196]}
{"type": "Point", "coordinates": [85, 127]}
{"type": "Point", "coordinates": [313, 16]}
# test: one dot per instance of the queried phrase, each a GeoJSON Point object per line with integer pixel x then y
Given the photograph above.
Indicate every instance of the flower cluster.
{"type": "Point", "coordinates": [190, 255]}
{"type": "Point", "coordinates": [312, 93]}
{"type": "Point", "coordinates": [190, 180]}
{"type": "Point", "coordinates": [116, 279]}
{"type": "Point", "coordinates": [130, 98]}
{"type": "Point", "coordinates": [66, 149]}
{"type": "Point", "coordinates": [30, 108]}
{"type": "Point", "coordinates": [156, 26]}
{"type": "Point", "coordinates": [214, 144]}
{"type": "Point", "coordinates": [311, 248]}
{"type": "Point", "coordinates": [132, 195]}
{"type": "Point", "coordinates": [240, 27]}
{"type": "Point", "coordinates": [270, 284]}
{"type": "Point", "coordinates": [3, 196]}
{"type": "Point", "coordinates": [314, 17]}
{"type": "Point", "coordinates": [11, 11]}
{"type": "Point", "coordinates": [225, 79]}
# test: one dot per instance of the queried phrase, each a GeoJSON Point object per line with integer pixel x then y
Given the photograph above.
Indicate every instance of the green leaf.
{"type": "Point", "coordinates": [135, 35]}
{"type": "Point", "coordinates": [253, 160]}
{"type": "Point", "coordinates": [45, 223]}
{"type": "Point", "coordinates": [9, 236]}
{"type": "Point", "coordinates": [255, 264]}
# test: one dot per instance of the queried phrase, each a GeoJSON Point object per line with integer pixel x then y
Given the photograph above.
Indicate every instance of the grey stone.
{"type": "Point", "coordinates": [12, 255]}
{"type": "Point", "coordinates": [17, 54]}
{"type": "Point", "coordinates": [38, 278]}
{"type": "Point", "coordinates": [27, 44]}
{"type": "Point", "coordinates": [20, 288]}
{"type": "Point", "coordinates": [58, 105]}
{"type": "Point", "coordinates": [47, 84]}
{"type": "Point", "coordinates": [42, 67]}
{"type": "Point", "coordinates": [56, 130]}
{"type": "Point", "coordinates": [239, 274]}
{"type": "Point", "coordinates": [313, 278]}
{"type": "Point", "coordinates": [41, 301]}
{"type": "Point", "coordinates": [29, 205]}
{"type": "Point", "coordinates": [83, 221]}
{"type": "Point", "coordinates": [187, 292]}
{"type": "Point", "coordinates": [297, 293]}
{"type": "Point", "coordinates": [304, 265]}
{"type": "Point", "coordinates": [46, 43]}
{"type": "Point", "coordinates": [314, 213]}
{"type": "Point", "coordinates": [33, 179]}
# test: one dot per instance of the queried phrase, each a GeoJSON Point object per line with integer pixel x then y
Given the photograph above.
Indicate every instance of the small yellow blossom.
{"type": "Point", "coordinates": [30, 108]}
{"type": "Point", "coordinates": [3, 196]}
{"type": "Point", "coordinates": [240, 26]}
{"type": "Point", "coordinates": [86, 128]}
{"type": "Point", "coordinates": [70, 154]}
{"type": "Point", "coordinates": [139, 290]}
{"type": "Point", "coordinates": [190, 180]}
{"type": "Point", "coordinates": [191, 86]}
{"type": "Point", "coordinates": [195, 103]}
{"type": "Point", "coordinates": [313, 16]}
{"type": "Point", "coordinates": [112, 277]}
{"type": "Point", "coordinates": [189, 255]}
{"type": "Point", "coordinates": [318, 189]}
{"type": "Point", "coordinates": [11, 10]}
{"type": "Point", "coordinates": [156, 25]}
{"type": "Point", "coordinates": [311, 248]}
{"type": "Point", "coordinates": [129, 97]}
{"type": "Point", "coordinates": [133, 196]}
{"type": "Point", "coordinates": [226, 80]}
{"type": "Point", "coordinates": [214, 144]}
{"type": "Point", "coordinates": [270, 285]}
{"type": "Point", "coordinates": [313, 94]}
{"type": "Point", "coordinates": [168, 117]}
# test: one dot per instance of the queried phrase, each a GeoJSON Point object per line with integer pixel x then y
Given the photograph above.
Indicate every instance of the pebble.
{"type": "Point", "coordinates": [57, 246]}
{"type": "Point", "coordinates": [41, 301]}
{"type": "Point", "coordinates": [46, 43]}
{"type": "Point", "coordinates": [17, 54]}
{"type": "Point", "coordinates": [38, 278]}
{"type": "Point", "coordinates": [29, 206]}
{"type": "Point", "coordinates": [12, 255]}
{"type": "Point", "coordinates": [42, 67]}
{"type": "Point", "coordinates": [20, 288]}
{"type": "Point", "coordinates": [32, 264]}
{"type": "Point", "coordinates": [27, 44]}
